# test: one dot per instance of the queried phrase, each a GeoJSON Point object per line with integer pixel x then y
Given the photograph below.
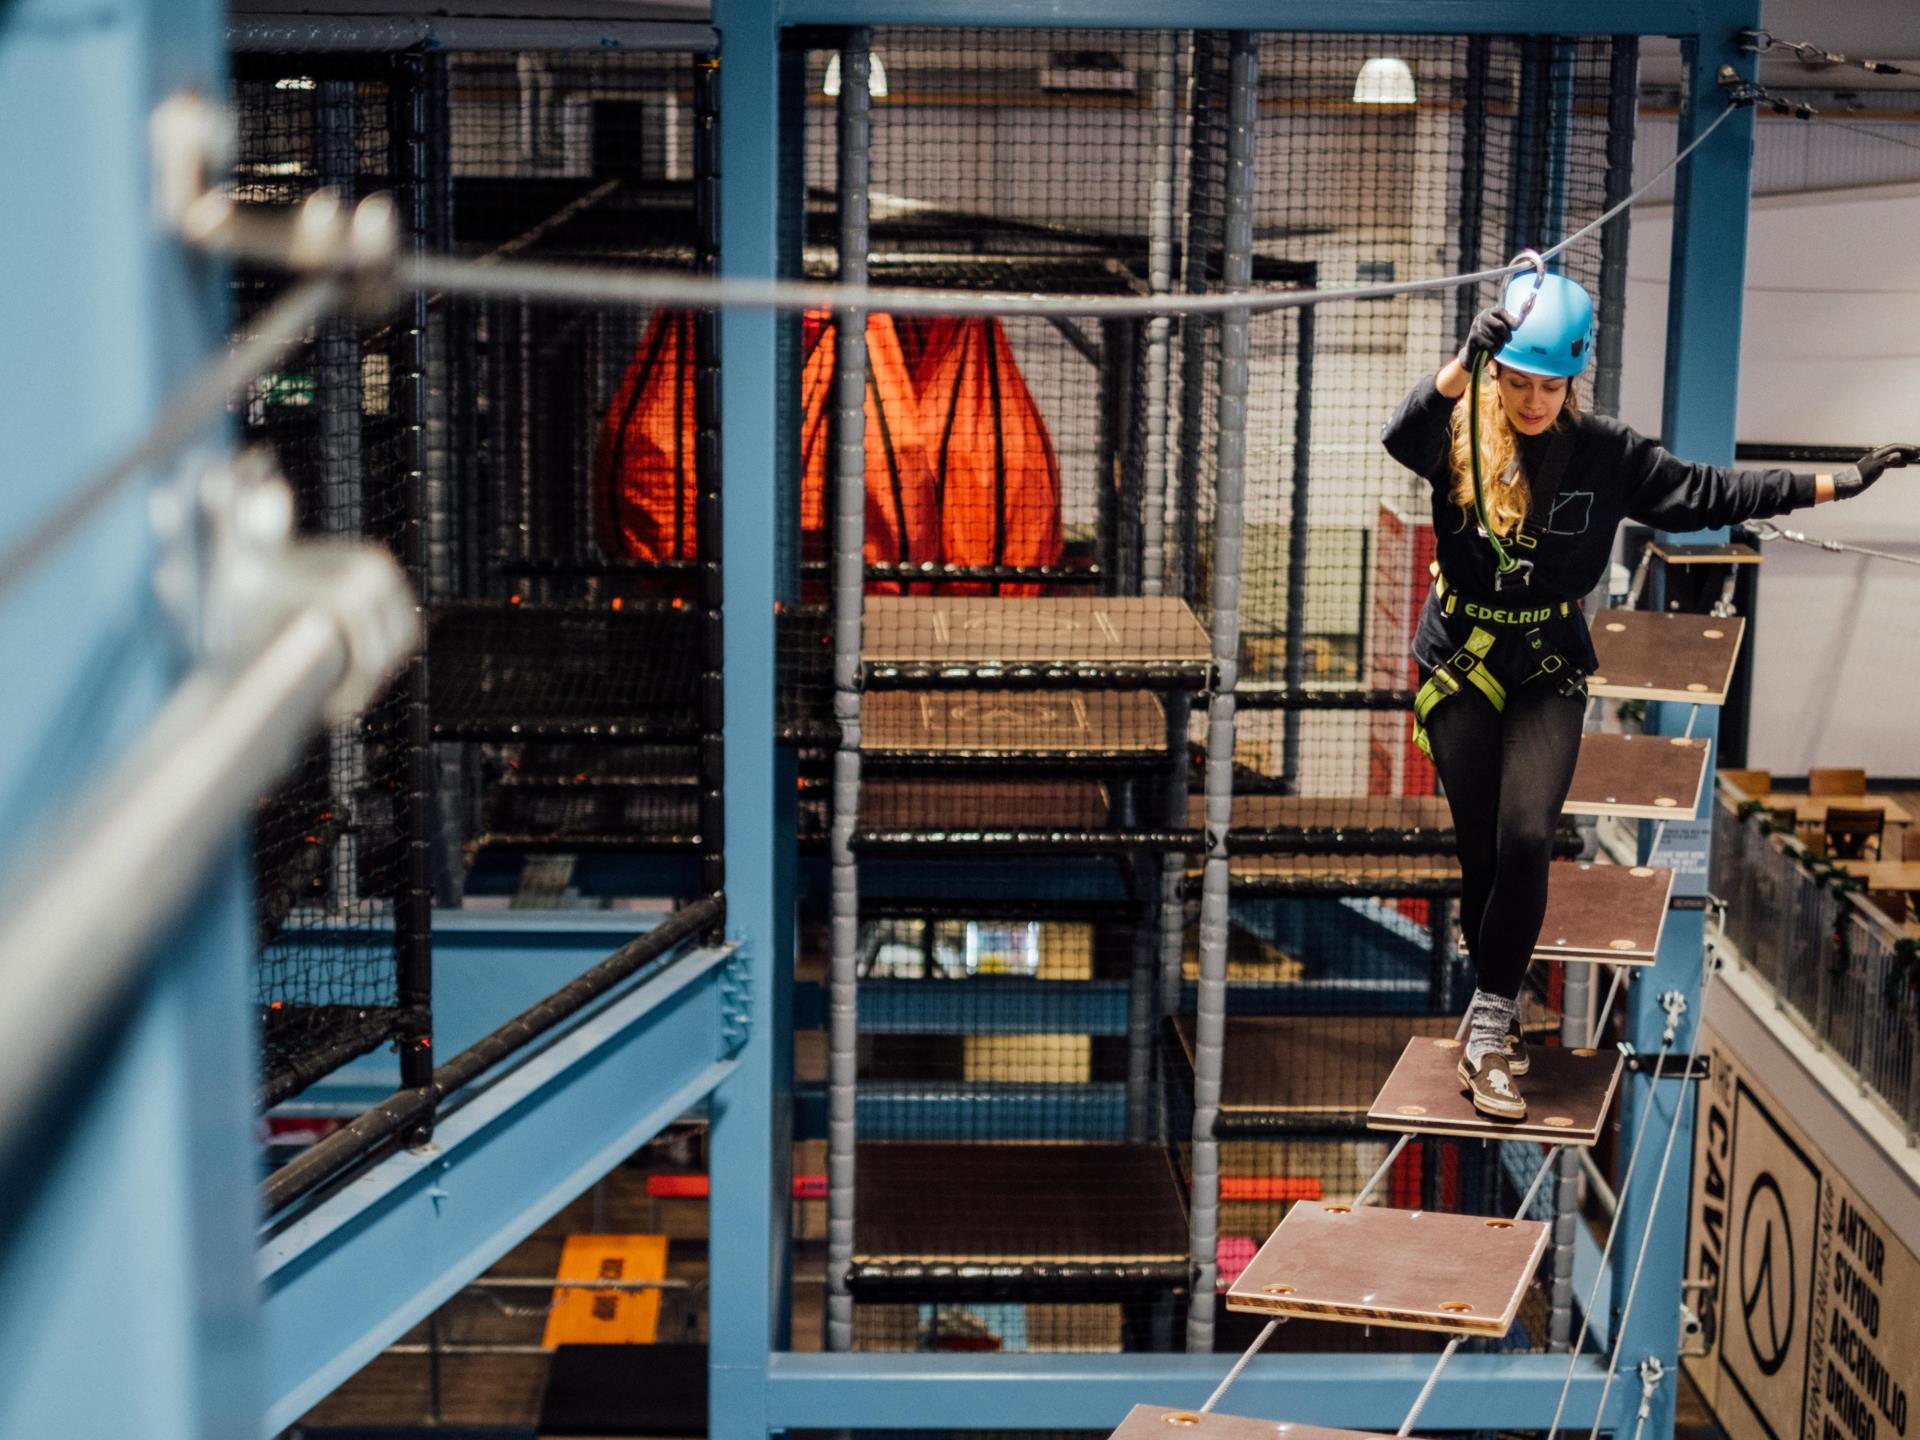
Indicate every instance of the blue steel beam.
{"type": "Point", "coordinates": [1708, 271]}
{"type": "Point", "coordinates": [349, 1274]}
{"type": "Point", "coordinates": [1094, 1392]}
{"type": "Point", "coordinates": [1434, 17]}
{"type": "Point", "coordinates": [108, 1326]}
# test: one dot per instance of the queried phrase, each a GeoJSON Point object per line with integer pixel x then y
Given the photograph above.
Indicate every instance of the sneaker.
{"type": "Point", "coordinates": [1517, 1061]}
{"type": "Point", "coordinates": [1492, 1088]}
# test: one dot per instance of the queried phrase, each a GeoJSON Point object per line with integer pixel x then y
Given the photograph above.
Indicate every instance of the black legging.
{"type": "Point", "coordinates": [1506, 775]}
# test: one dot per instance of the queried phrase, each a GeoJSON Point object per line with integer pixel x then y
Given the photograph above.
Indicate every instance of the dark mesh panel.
{"type": "Point", "coordinates": [1030, 713]}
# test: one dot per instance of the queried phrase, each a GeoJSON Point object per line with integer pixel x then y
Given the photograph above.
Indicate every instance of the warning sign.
{"type": "Point", "coordinates": [1793, 1278]}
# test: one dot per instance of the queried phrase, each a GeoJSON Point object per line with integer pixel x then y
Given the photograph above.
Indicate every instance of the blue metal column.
{"type": "Point", "coordinates": [1702, 386]}
{"type": "Point", "coordinates": [126, 1219]}
{"type": "Point", "coordinates": [752, 1139]}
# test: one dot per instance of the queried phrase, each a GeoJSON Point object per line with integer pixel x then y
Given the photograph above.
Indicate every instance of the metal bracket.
{"type": "Point", "coordinates": [1693, 1325]}
{"type": "Point", "coordinates": [193, 146]}
{"type": "Point", "coordinates": [230, 571]}
{"type": "Point", "coordinates": [736, 1003]}
{"type": "Point", "coordinates": [1700, 1067]}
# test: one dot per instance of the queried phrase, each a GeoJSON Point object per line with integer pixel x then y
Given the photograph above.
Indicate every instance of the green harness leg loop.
{"type": "Point", "coordinates": [1467, 664]}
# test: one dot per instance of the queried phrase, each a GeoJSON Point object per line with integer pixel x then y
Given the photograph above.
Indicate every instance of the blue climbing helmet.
{"type": "Point", "coordinates": [1556, 338]}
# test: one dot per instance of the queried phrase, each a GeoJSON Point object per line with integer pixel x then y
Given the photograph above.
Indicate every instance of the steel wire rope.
{"type": "Point", "coordinates": [1767, 530]}
{"type": "Point", "coordinates": [206, 394]}
{"type": "Point", "coordinates": [1711, 966]}
{"type": "Point", "coordinates": [1626, 1182]}
{"type": "Point", "coordinates": [274, 332]}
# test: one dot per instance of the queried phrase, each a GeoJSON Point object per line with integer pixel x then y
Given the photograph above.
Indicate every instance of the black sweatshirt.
{"type": "Point", "coordinates": [1611, 475]}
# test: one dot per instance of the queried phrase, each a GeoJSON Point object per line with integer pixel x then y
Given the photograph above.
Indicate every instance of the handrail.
{"type": "Point", "coordinates": [145, 836]}
{"type": "Point", "coordinates": [1849, 973]}
{"type": "Point", "coordinates": [382, 1125]}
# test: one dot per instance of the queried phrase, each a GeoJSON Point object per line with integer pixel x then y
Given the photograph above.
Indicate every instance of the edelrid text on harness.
{"type": "Point", "coordinates": [1468, 664]}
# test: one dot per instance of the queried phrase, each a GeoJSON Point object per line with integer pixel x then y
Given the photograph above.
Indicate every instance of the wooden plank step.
{"type": "Point", "coordinates": [981, 630]}
{"type": "Point", "coordinates": [1606, 913]}
{"type": "Point", "coordinates": [999, 724]}
{"type": "Point", "coordinates": [1645, 777]}
{"type": "Point", "coordinates": [1028, 1221]}
{"type": "Point", "coordinates": [1674, 554]}
{"type": "Point", "coordinates": [1648, 656]}
{"type": "Point", "coordinates": [1404, 1269]}
{"type": "Point", "coordinates": [1568, 1093]}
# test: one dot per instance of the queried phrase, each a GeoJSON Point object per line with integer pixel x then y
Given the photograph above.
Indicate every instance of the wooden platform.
{"type": "Point", "coordinates": [1404, 1269]}
{"type": "Point", "coordinates": [1609, 913]}
{"type": "Point", "coordinates": [1706, 554]}
{"type": "Point", "coordinates": [983, 805]}
{"type": "Point", "coordinates": [995, 725]}
{"type": "Point", "coordinates": [1344, 874]}
{"type": "Point", "coordinates": [1648, 656]}
{"type": "Point", "coordinates": [985, 630]}
{"type": "Point", "coordinates": [1329, 812]}
{"type": "Point", "coordinates": [1649, 777]}
{"type": "Point", "coordinates": [1015, 1220]}
{"type": "Point", "coordinates": [1310, 1073]}
{"type": "Point", "coordinates": [1568, 1093]}
{"type": "Point", "coordinates": [1157, 1422]}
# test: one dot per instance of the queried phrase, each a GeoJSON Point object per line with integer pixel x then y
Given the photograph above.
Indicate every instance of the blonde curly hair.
{"type": "Point", "coordinates": [1509, 489]}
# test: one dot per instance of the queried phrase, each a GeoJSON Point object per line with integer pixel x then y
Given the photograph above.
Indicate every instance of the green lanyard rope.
{"type": "Point", "coordinates": [1507, 563]}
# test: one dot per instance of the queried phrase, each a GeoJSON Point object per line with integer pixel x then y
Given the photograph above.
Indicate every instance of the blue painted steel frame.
{"type": "Point", "coordinates": [757, 1389]}
{"type": "Point", "coordinates": [104, 315]}
{"type": "Point", "coordinates": [751, 1144]}
{"type": "Point", "coordinates": [350, 1274]}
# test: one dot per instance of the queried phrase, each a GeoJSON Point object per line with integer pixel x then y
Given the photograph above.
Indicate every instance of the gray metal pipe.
{"type": "Point", "coordinates": [1166, 80]}
{"type": "Point", "coordinates": [145, 836]}
{"type": "Point", "coordinates": [849, 546]}
{"type": "Point", "coordinates": [1229, 533]}
{"type": "Point", "coordinates": [1179, 509]}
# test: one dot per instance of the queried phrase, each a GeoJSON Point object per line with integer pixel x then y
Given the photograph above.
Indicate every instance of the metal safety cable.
{"type": "Point", "coordinates": [1433, 1376]}
{"type": "Point", "coordinates": [1613, 1231]}
{"type": "Point", "coordinates": [579, 284]}
{"type": "Point", "coordinates": [1241, 1364]}
{"type": "Point", "coordinates": [1766, 530]}
{"type": "Point", "coordinates": [271, 334]}
{"type": "Point", "coordinates": [184, 414]}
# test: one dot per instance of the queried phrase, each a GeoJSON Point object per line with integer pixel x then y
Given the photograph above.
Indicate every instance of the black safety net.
{"type": "Point", "coordinates": [1039, 613]}
{"type": "Point", "coordinates": [337, 890]}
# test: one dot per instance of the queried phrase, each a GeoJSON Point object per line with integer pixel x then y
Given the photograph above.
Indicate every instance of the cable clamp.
{"type": "Point", "coordinates": [192, 143]}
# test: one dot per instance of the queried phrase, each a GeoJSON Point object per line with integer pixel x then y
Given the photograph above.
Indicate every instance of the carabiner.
{"type": "Point", "coordinates": [1529, 257]}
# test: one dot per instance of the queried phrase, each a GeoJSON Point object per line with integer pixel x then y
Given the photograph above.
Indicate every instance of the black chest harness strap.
{"type": "Point", "coordinates": [1468, 664]}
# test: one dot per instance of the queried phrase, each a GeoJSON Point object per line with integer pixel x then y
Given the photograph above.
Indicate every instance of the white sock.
{"type": "Point", "coordinates": [1488, 1021]}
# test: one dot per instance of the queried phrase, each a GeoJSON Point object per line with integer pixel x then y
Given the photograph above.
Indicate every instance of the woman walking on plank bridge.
{"type": "Point", "coordinates": [1528, 491]}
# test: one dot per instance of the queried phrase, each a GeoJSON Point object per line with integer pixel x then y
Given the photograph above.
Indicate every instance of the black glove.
{"type": "Point", "coordinates": [1492, 329]}
{"type": "Point", "coordinates": [1870, 467]}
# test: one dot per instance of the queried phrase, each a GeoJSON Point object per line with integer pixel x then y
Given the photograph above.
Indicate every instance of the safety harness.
{"type": "Point", "coordinates": [1494, 623]}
